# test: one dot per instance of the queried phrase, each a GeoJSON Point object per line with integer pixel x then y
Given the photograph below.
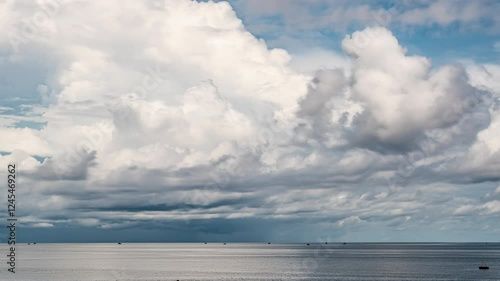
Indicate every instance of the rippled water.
{"type": "Point", "coordinates": [215, 261]}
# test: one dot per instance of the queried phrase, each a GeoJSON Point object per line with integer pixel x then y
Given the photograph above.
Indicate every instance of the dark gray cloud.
{"type": "Point", "coordinates": [71, 166]}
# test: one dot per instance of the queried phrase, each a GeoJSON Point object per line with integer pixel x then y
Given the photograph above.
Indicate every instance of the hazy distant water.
{"type": "Point", "coordinates": [215, 261]}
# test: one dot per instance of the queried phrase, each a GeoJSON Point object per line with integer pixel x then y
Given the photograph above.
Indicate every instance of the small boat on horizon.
{"type": "Point", "coordinates": [484, 266]}
{"type": "Point", "coordinates": [119, 243]}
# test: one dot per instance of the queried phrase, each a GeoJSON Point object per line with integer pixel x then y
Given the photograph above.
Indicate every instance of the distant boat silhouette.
{"type": "Point", "coordinates": [119, 243]}
{"type": "Point", "coordinates": [308, 244]}
{"type": "Point", "coordinates": [34, 243]}
{"type": "Point", "coordinates": [345, 243]}
{"type": "Point", "coordinates": [326, 242]}
{"type": "Point", "coordinates": [484, 266]}
{"type": "Point", "coordinates": [205, 243]}
{"type": "Point", "coordinates": [268, 243]}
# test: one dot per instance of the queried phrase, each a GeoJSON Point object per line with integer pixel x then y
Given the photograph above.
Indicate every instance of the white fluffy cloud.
{"type": "Point", "coordinates": [393, 101]}
{"type": "Point", "coordinates": [175, 103]}
{"type": "Point", "coordinates": [403, 99]}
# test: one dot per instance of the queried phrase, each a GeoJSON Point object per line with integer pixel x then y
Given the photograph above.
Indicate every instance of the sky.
{"type": "Point", "coordinates": [249, 121]}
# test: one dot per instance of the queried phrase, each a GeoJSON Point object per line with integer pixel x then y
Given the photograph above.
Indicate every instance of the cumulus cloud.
{"type": "Point", "coordinates": [484, 76]}
{"type": "Point", "coordinates": [158, 112]}
{"type": "Point", "coordinates": [395, 102]}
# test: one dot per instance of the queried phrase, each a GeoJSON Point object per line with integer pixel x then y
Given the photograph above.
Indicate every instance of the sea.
{"type": "Point", "coordinates": [254, 261]}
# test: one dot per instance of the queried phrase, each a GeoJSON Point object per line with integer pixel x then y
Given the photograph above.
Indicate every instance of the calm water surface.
{"type": "Point", "coordinates": [215, 261]}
